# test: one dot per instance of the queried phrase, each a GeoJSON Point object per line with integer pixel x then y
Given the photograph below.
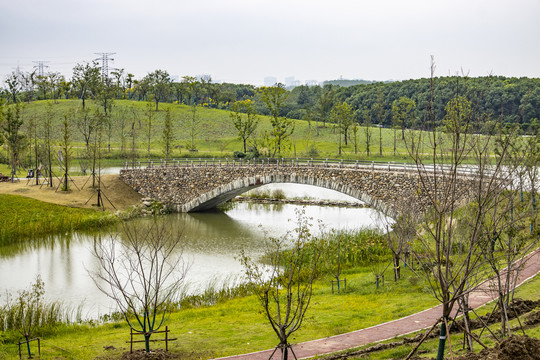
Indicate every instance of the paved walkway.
{"type": "Point", "coordinates": [389, 330]}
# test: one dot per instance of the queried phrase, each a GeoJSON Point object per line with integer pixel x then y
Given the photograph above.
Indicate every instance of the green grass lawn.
{"type": "Point", "coordinates": [238, 325]}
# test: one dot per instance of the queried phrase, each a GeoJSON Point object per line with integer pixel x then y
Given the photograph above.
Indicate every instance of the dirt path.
{"type": "Point", "coordinates": [120, 194]}
{"type": "Point", "coordinates": [389, 330]}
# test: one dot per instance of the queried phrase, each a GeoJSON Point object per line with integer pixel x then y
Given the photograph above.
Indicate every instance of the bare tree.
{"type": "Point", "coordinates": [508, 222]}
{"type": "Point", "coordinates": [284, 285]}
{"type": "Point", "coordinates": [399, 235]}
{"type": "Point", "coordinates": [451, 245]}
{"type": "Point", "coordinates": [86, 125]}
{"type": "Point", "coordinates": [142, 270]}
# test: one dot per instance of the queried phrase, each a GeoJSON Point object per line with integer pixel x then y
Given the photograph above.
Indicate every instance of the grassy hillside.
{"type": "Point", "coordinates": [215, 135]}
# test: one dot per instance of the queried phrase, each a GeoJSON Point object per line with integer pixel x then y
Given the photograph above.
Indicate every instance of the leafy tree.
{"type": "Point", "coordinates": [142, 88]}
{"type": "Point", "coordinates": [66, 146]}
{"type": "Point", "coordinates": [206, 86]}
{"type": "Point", "coordinates": [355, 136]}
{"type": "Point", "coordinates": [86, 78]}
{"type": "Point", "coordinates": [168, 133]}
{"type": "Point", "coordinates": [274, 97]}
{"type": "Point", "coordinates": [458, 111]}
{"type": "Point", "coordinates": [160, 85]}
{"type": "Point", "coordinates": [342, 115]}
{"type": "Point", "coordinates": [11, 128]}
{"type": "Point", "coordinates": [192, 123]}
{"type": "Point", "coordinates": [149, 117]}
{"type": "Point", "coordinates": [99, 120]}
{"type": "Point", "coordinates": [245, 119]}
{"type": "Point", "coordinates": [118, 75]}
{"type": "Point", "coordinates": [379, 110]}
{"type": "Point", "coordinates": [42, 82]}
{"type": "Point", "coordinates": [28, 81]}
{"type": "Point", "coordinates": [325, 103]}
{"type": "Point", "coordinates": [190, 85]}
{"type": "Point", "coordinates": [55, 84]}
{"type": "Point", "coordinates": [129, 82]}
{"type": "Point", "coordinates": [105, 93]}
{"type": "Point", "coordinates": [367, 128]}
{"type": "Point", "coordinates": [13, 82]}
{"type": "Point", "coordinates": [402, 114]}
{"type": "Point", "coordinates": [47, 135]}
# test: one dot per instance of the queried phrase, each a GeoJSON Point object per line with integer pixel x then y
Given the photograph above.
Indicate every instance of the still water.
{"type": "Point", "coordinates": [211, 242]}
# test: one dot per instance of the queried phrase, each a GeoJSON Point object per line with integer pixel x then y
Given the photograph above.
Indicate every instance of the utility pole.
{"type": "Point", "coordinates": [41, 67]}
{"type": "Point", "coordinates": [105, 58]}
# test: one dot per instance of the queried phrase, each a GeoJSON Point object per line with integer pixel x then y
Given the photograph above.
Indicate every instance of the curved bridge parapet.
{"type": "Point", "coordinates": [189, 186]}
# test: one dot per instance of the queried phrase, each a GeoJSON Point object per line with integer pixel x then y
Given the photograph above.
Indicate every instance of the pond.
{"type": "Point", "coordinates": [211, 242]}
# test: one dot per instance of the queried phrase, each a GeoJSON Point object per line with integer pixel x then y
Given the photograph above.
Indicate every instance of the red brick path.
{"type": "Point", "coordinates": [411, 323]}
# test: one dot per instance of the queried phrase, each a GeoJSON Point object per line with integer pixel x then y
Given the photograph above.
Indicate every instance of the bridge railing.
{"type": "Point", "coordinates": [293, 162]}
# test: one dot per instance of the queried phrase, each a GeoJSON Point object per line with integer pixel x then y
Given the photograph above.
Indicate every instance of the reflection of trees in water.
{"type": "Point", "coordinates": [213, 231]}
{"type": "Point", "coordinates": [49, 242]}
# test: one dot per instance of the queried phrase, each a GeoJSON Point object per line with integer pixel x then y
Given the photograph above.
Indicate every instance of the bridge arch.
{"type": "Point", "coordinates": [226, 192]}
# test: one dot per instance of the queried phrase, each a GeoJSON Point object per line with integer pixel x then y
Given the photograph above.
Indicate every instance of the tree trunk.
{"type": "Point", "coordinates": [380, 141]}
{"type": "Point", "coordinates": [397, 271]}
{"type": "Point", "coordinates": [27, 337]}
{"type": "Point", "coordinates": [147, 342]}
{"type": "Point", "coordinates": [394, 142]}
{"type": "Point", "coordinates": [284, 351]}
{"type": "Point", "coordinates": [442, 340]}
{"type": "Point", "coordinates": [466, 322]}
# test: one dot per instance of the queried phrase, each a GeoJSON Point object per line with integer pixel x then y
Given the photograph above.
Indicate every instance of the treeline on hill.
{"type": "Point", "coordinates": [511, 99]}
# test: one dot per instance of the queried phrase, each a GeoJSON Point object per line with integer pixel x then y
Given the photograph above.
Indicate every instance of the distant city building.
{"type": "Point", "coordinates": [270, 81]}
{"type": "Point", "coordinates": [312, 83]}
{"type": "Point", "coordinates": [289, 81]}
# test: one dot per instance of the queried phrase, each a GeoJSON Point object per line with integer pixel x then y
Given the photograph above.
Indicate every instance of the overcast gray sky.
{"type": "Point", "coordinates": [243, 41]}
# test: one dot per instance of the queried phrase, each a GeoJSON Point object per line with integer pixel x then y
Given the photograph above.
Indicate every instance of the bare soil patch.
{"type": "Point", "coordinates": [157, 354]}
{"type": "Point", "coordinates": [513, 348]}
{"type": "Point", "coordinates": [119, 193]}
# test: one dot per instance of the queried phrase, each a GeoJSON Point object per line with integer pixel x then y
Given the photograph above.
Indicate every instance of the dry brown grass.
{"type": "Point", "coordinates": [119, 193]}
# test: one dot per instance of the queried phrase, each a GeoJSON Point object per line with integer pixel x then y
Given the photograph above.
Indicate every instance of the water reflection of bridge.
{"type": "Point", "coordinates": [196, 185]}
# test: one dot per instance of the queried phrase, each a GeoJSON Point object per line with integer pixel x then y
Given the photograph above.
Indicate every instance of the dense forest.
{"type": "Point", "coordinates": [499, 99]}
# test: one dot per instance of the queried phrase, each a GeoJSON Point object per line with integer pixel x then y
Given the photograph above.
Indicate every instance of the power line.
{"type": "Point", "coordinates": [105, 58]}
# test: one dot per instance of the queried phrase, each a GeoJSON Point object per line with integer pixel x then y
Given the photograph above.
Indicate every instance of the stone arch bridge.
{"type": "Point", "coordinates": [190, 186]}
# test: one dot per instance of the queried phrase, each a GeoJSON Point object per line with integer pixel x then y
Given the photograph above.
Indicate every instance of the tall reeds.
{"type": "Point", "coordinates": [23, 218]}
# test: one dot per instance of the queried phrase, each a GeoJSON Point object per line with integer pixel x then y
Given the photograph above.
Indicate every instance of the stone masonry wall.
{"type": "Point", "coordinates": [192, 188]}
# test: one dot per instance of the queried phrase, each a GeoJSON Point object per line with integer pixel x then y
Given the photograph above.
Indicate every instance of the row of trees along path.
{"type": "Point", "coordinates": [482, 295]}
